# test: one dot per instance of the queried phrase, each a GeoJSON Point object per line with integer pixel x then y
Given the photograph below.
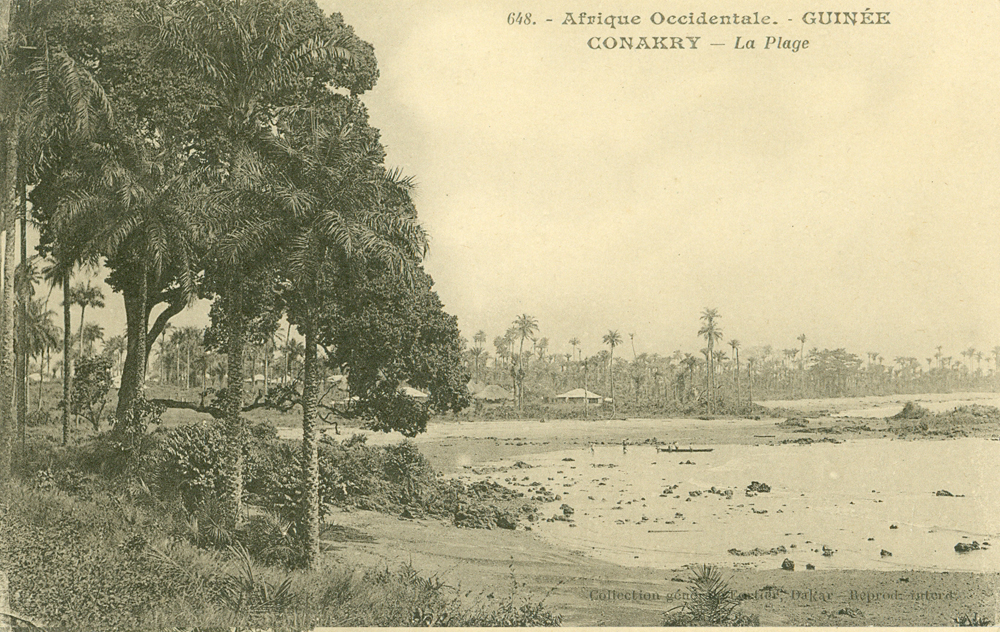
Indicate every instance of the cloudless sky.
{"type": "Point", "coordinates": [848, 191]}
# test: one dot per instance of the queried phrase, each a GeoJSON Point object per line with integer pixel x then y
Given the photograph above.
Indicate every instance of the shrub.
{"type": "Point", "coordinates": [191, 462]}
{"type": "Point", "coordinates": [710, 602]}
{"type": "Point", "coordinates": [91, 384]}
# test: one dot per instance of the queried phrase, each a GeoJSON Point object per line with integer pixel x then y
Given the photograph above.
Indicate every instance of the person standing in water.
{"type": "Point", "coordinates": [624, 446]}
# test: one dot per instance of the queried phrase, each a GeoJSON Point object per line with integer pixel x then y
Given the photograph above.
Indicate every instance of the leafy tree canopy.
{"type": "Point", "coordinates": [383, 330]}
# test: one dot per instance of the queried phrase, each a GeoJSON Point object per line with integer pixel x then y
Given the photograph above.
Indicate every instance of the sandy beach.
{"type": "Point", "coordinates": [861, 514]}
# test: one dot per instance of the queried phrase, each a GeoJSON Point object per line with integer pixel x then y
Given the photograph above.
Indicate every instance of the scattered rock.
{"type": "Point", "coordinates": [892, 526]}
{"type": "Point", "coordinates": [810, 567]}
{"type": "Point", "coordinates": [943, 492]}
{"type": "Point", "coordinates": [778, 550]}
{"type": "Point", "coordinates": [568, 459]}
{"type": "Point", "coordinates": [793, 422]}
{"type": "Point", "coordinates": [788, 565]}
{"type": "Point", "coordinates": [850, 612]}
{"type": "Point", "coordinates": [885, 553]}
{"type": "Point", "coordinates": [827, 551]}
{"type": "Point", "coordinates": [567, 510]}
{"type": "Point", "coordinates": [521, 465]}
{"type": "Point", "coordinates": [962, 547]}
{"type": "Point", "coordinates": [758, 487]}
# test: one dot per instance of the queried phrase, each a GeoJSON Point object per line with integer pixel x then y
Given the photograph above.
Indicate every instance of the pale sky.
{"type": "Point", "coordinates": [848, 191]}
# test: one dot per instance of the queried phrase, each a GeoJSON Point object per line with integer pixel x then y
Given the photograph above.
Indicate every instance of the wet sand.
{"type": "Point", "coordinates": [589, 592]}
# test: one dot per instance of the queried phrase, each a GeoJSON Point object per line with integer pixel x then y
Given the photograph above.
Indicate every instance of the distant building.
{"type": "Point", "coordinates": [578, 396]}
{"type": "Point", "coordinates": [493, 393]}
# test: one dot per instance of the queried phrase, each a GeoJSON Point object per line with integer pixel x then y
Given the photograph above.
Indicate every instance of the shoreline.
{"type": "Point", "coordinates": [591, 591]}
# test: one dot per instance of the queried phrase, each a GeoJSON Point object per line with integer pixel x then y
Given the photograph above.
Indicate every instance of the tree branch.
{"type": "Point", "coordinates": [173, 308]}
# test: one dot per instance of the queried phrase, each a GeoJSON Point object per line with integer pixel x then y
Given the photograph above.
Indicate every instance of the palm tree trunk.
{"type": "Point", "coordinates": [235, 351]}
{"type": "Point", "coordinates": [611, 373]}
{"type": "Point", "coordinates": [310, 448]}
{"type": "Point", "coordinates": [136, 350]}
{"type": "Point", "coordinates": [7, 212]}
{"type": "Point", "coordinates": [67, 362]}
{"type": "Point", "coordinates": [22, 330]}
{"type": "Point", "coordinates": [737, 380]}
{"type": "Point", "coordinates": [8, 201]}
{"type": "Point", "coordinates": [265, 369]}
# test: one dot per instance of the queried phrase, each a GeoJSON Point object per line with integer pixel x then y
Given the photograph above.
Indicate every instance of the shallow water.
{"type": "Point", "coordinates": [830, 495]}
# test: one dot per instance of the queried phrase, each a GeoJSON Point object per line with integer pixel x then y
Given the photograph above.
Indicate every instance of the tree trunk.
{"type": "Point", "coordinates": [310, 449]}
{"type": "Point", "coordinates": [8, 199]}
{"type": "Point", "coordinates": [266, 352]}
{"type": "Point", "coordinates": [22, 330]}
{"type": "Point", "coordinates": [136, 349]}
{"type": "Point", "coordinates": [611, 373]}
{"type": "Point", "coordinates": [67, 362]}
{"type": "Point", "coordinates": [738, 407]}
{"type": "Point", "coordinates": [235, 347]}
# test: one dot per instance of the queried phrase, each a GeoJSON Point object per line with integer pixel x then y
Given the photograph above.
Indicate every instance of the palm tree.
{"type": "Point", "coordinates": [712, 334]}
{"type": "Point", "coordinates": [575, 342]}
{"type": "Point", "coordinates": [85, 296]}
{"type": "Point", "coordinates": [248, 54]}
{"type": "Point", "coordinates": [525, 327]}
{"type": "Point", "coordinates": [351, 211]}
{"type": "Point", "coordinates": [613, 339]}
{"type": "Point", "coordinates": [91, 333]}
{"type": "Point", "coordinates": [40, 84]}
{"type": "Point", "coordinates": [735, 345]}
{"type": "Point", "coordinates": [41, 335]}
{"type": "Point", "coordinates": [478, 351]}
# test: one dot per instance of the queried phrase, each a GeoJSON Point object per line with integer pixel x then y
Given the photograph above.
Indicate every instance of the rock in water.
{"type": "Point", "coordinates": [885, 553]}
{"type": "Point", "coordinates": [962, 547]}
{"type": "Point", "coordinates": [943, 492]}
{"type": "Point", "coordinates": [758, 487]}
{"type": "Point", "coordinates": [788, 565]}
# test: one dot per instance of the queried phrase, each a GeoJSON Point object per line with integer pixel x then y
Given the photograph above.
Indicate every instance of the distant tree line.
{"type": "Point", "coordinates": [723, 377]}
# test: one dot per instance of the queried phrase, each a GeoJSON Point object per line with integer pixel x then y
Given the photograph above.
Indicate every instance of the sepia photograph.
{"type": "Point", "coordinates": [357, 313]}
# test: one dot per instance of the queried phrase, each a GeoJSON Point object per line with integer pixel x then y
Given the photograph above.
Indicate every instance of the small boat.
{"type": "Point", "coordinates": [669, 449]}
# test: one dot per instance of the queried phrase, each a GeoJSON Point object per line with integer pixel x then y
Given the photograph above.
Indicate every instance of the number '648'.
{"type": "Point", "coordinates": [519, 18]}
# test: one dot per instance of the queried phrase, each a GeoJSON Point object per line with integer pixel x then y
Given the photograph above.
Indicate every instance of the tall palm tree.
{"type": "Point", "coordinates": [248, 54]}
{"type": "Point", "coordinates": [612, 339]}
{"type": "Point", "coordinates": [85, 296]}
{"type": "Point", "coordinates": [712, 334]}
{"type": "Point", "coordinates": [40, 335]}
{"type": "Point", "coordinates": [525, 327]}
{"type": "Point", "coordinates": [358, 212]}
{"type": "Point", "coordinates": [735, 345]}
{"type": "Point", "coordinates": [41, 87]}
{"type": "Point", "coordinates": [480, 339]}
{"type": "Point", "coordinates": [90, 334]}
{"type": "Point", "coordinates": [575, 342]}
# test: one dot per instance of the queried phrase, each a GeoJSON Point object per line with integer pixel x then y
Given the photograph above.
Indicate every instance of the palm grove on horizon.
{"type": "Point", "coordinates": [214, 149]}
{"type": "Point", "coordinates": [713, 381]}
